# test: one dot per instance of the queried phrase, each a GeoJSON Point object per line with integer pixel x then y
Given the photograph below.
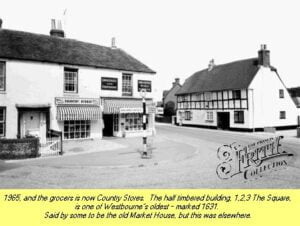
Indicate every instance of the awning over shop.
{"type": "Point", "coordinates": [78, 113]}
{"type": "Point", "coordinates": [115, 106]}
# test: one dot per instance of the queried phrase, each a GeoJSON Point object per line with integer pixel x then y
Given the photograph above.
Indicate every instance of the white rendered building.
{"type": "Point", "coordinates": [81, 89]}
{"type": "Point", "coordinates": [243, 95]}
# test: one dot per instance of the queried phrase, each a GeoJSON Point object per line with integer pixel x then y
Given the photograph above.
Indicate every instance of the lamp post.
{"type": "Point", "coordinates": [145, 153]}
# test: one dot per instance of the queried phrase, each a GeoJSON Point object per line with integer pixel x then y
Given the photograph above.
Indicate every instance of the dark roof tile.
{"type": "Point", "coordinates": [234, 75]}
{"type": "Point", "coordinates": [44, 48]}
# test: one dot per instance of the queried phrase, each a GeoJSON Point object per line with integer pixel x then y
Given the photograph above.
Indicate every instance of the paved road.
{"type": "Point", "coordinates": [182, 158]}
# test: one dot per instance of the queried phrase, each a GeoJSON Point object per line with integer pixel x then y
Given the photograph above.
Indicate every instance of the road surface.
{"type": "Point", "coordinates": [183, 157]}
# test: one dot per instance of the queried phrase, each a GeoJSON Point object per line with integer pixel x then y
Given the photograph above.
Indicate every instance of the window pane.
{"type": "Point", "coordinates": [70, 80]}
{"type": "Point", "coordinates": [127, 85]}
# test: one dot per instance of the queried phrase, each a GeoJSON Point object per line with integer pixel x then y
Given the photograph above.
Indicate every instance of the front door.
{"type": "Point", "coordinates": [108, 125]}
{"type": "Point", "coordinates": [223, 120]}
{"type": "Point", "coordinates": [33, 123]}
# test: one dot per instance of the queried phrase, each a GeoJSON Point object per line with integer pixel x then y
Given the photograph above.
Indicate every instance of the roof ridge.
{"type": "Point", "coordinates": [23, 45]}
{"type": "Point", "coordinates": [54, 37]}
{"type": "Point", "coordinates": [233, 75]}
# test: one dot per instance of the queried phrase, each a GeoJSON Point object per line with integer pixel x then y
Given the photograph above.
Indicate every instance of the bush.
{"type": "Point", "coordinates": [19, 148]}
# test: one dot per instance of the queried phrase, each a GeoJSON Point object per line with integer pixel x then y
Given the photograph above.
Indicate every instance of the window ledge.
{"type": "Point", "coordinates": [209, 120]}
{"type": "Point", "coordinates": [2, 92]}
{"type": "Point", "coordinates": [71, 94]}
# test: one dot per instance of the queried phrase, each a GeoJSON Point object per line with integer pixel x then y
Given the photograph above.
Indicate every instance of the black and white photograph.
{"type": "Point", "coordinates": [149, 94]}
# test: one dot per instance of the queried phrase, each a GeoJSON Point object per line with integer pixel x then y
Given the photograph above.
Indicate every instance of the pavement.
{"type": "Point", "coordinates": [114, 153]}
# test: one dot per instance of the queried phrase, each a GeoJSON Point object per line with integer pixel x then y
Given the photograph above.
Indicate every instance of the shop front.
{"type": "Point", "coordinates": [124, 117]}
{"type": "Point", "coordinates": [79, 118]}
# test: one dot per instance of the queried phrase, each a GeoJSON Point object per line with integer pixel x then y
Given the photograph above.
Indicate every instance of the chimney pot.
{"type": "Point", "coordinates": [1, 23]}
{"type": "Point", "coordinates": [56, 31]}
{"type": "Point", "coordinates": [53, 24]}
{"type": "Point", "coordinates": [211, 64]}
{"type": "Point", "coordinates": [177, 80]}
{"type": "Point", "coordinates": [263, 46]}
{"type": "Point", "coordinates": [113, 43]}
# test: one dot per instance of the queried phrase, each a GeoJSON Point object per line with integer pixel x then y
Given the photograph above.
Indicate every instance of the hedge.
{"type": "Point", "coordinates": [19, 148]}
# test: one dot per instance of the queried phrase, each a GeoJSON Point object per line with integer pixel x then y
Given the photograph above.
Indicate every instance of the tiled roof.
{"type": "Point", "coordinates": [44, 48]}
{"type": "Point", "coordinates": [234, 75]}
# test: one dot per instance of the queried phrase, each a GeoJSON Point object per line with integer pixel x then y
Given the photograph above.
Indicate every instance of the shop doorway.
{"type": "Point", "coordinates": [108, 125]}
{"type": "Point", "coordinates": [223, 120]}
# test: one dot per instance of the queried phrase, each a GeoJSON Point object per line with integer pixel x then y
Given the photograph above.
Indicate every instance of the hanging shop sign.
{"type": "Point", "coordinates": [77, 101]}
{"type": "Point", "coordinates": [109, 83]}
{"type": "Point", "coordinates": [144, 84]}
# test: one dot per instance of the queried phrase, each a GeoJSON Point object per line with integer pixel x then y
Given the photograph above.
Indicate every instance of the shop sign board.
{"type": "Point", "coordinates": [149, 110]}
{"type": "Point", "coordinates": [144, 84]}
{"type": "Point", "coordinates": [131, 110]}
{"type": "Point", "coordinates": [159, 111]}
{"type": "Point", "coordinates": [109, 83]}
{"type": "Point", "coordinates": [77, 101]}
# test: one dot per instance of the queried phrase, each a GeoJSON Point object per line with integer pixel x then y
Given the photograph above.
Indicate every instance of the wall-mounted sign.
{"type": "Point", "coordinates": [149, 110]}
{"type": "Point", "coordinates": [77, 101]}
{"type": "Point", "coordinates": [131, 110]}
{"type": "Point", "coordinates": [109, 83]}
{"type": "Point", "coordinates": [159, 111]}
{"type": "Point", "coordinates": [144, 84]}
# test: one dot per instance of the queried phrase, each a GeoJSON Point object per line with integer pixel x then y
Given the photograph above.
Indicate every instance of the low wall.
{"type": "Point", "coordinates": [19, 148]}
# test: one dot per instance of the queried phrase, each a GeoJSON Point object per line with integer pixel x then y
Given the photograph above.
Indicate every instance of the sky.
{"type": "Point", "coordinates": [175, 38]}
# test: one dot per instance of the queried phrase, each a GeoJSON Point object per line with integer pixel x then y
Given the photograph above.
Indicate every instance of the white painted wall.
{"type": "Point", "coordinates": [39, 83]}
{"type": "Point", "coordinates": [199, 118]}
{"type": "Point", "coordinates": [118, 75]}
{"type": "Point", "coordinates": [267, 103]}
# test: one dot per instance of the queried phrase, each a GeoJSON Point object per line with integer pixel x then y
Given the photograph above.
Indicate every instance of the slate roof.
{"type": "Point", "coordinates": [294, 92]}
{"type": "Point", "coordinates": [296, 101]}
{"type": "Point", "coordinates": [44, 48]}
{"type": "Point", "coordinates": [230, 76]}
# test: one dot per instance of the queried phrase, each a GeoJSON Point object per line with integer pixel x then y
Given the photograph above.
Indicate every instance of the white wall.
{"type": "Point", "coordinates": [199, 118]}
{"type": "Point", "coordinates": [118, 75]}
{"type": "Point", "coordinates": [267, 103]}
{"type": "Point", "coordinates": [39, 83]}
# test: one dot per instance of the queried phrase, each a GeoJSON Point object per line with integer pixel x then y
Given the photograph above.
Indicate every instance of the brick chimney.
{"type": "Point", "coordinates": [264, 56]}
{"type": "Point", "coordinates": [56, 29]}
{"type": "Point", "coordinates": [113, 43]}
{"type": "Point", "coordinates": [211, 64]}
{"type": "Point", "coordinates": [177, 82]}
